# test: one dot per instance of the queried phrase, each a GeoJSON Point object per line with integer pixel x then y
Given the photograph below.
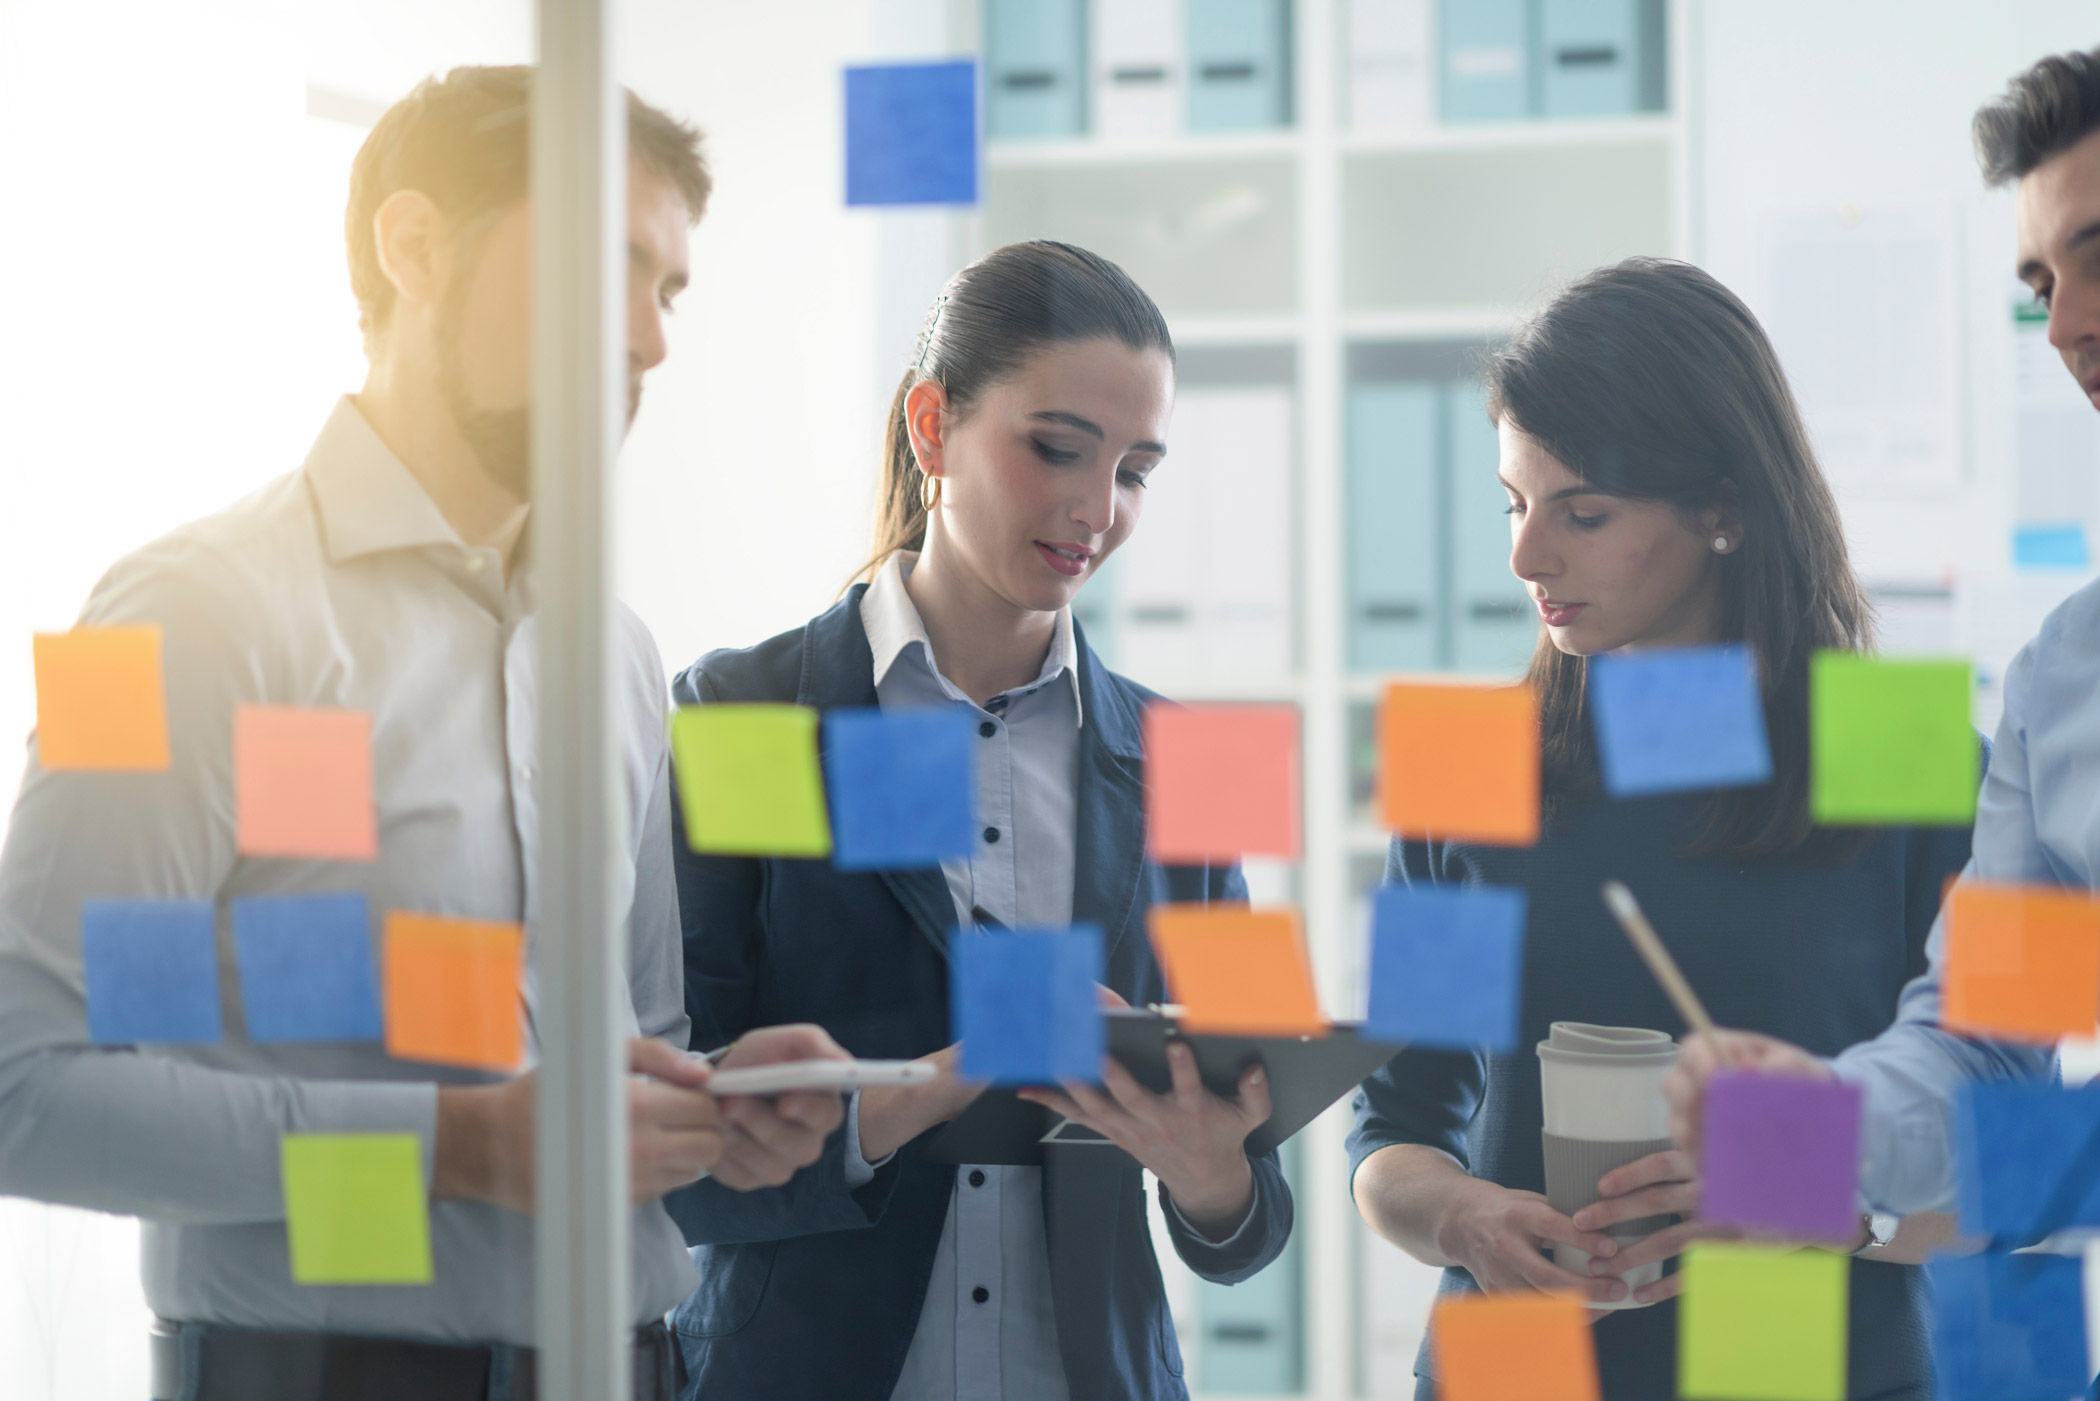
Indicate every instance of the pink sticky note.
{"type": "Point", "coordinates": [1780, 1156]}
{"type": "Point", "coordinates": [302, 783]}
{"type": "Point", "coordinates": [1221, 782]}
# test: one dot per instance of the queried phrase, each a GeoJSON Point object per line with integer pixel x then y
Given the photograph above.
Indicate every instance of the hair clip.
{"type": "Point", "coordinates": [940, 304]}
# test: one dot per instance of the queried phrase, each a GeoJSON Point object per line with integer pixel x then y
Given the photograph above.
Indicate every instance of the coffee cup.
{"type": "Point", "coordinates": [1602, 1089]}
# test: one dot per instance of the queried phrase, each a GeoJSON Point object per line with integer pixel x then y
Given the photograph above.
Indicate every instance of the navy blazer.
{"type": "Point", "coordinates": [812, 1289]}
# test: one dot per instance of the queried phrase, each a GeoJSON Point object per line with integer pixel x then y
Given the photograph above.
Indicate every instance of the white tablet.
{"type": "Point", "coordinates": [819, 1075]}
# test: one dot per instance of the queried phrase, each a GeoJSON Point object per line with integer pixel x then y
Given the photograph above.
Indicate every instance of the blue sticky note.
{"type": "Point", "coordinates": [306, 968]}
{"type": "Point", "coordinates": [2008, 1327]}
{"type": "Point", "coordinates": [1447, 966]}
{"type": "Point", "coordinates": [152, 970]}
{"type": "Point", "coordinates": [2027, 1158]}
{"type": "Point", "coordinates": [1679, 718]}
{"type": "Point", "coordinates": [2055, 546]}
{"type": "Point", "coordinates": [903, 786]}
{"type": "Point", "coordinates": [1024, 1005]}
{"type": "Point", "coordinates": [911, 133]}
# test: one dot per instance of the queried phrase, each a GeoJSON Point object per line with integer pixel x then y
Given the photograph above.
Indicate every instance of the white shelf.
{"type": "Point", "coordinates": [1092, 150]}
{"type": "Point", "coordinates": [1439, 323]}
{"type": "Point", "coordinates": [1529, 134]}
{"type": "Point", "coordinates": [1234, 330]}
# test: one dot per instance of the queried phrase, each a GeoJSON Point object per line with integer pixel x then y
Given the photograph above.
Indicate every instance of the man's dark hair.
{"type": "Point", "coordinates": [463, 140]}
{"type": "Point", "coordinates": [2043, 112]}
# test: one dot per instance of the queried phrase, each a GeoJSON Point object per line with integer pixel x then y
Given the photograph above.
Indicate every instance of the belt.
{"type": "Point", "coordinates": [206, 1362]}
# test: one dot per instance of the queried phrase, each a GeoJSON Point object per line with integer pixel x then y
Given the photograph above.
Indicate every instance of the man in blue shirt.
{"type": "Point", "coordinates": [2036, 819]}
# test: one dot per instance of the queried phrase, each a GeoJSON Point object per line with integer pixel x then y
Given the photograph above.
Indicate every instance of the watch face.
{"type": "Point", "coordinates": [1882, 1227]}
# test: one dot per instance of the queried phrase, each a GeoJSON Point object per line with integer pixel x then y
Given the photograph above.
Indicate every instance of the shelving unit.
{"type": "Point", "coordinates": [1330, 251]}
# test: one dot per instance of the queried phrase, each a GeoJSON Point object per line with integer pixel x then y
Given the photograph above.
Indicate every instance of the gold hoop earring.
{"type": "Point", "coordinates": [929, 491]}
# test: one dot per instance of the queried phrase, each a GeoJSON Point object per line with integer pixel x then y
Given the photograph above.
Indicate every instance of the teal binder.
{"type": "Point", "coordinates": [1035, 68]}
{"type": "Point", "coordinates": [1239, 64]}
{"type": "Point", "coordinates": [1599, 57]}
{"type": "Point", "coordinates": [1395, 518]}
{"type": "Point", "coordinates": [1494, 624]}
{"type": "Point", "coordinates": [1484, 60]}
{"type": "Point", "coordinates": [1253, 1332]}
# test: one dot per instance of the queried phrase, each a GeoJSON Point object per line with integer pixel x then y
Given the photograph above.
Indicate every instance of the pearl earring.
{"type": "Point", "coordinates": [1721, 544]}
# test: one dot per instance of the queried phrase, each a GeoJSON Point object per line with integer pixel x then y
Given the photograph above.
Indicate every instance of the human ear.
{"type": "Point", "coordinates": [925, 418]}
{"type": "Point", "coordinates": [405, 231]}
{"type": "Point", "coordinates": [1722, 522]}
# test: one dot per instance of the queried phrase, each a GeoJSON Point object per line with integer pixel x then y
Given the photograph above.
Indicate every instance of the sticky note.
{"type": "Point", "coordinates": [355, 1208]}
{"type": "Point", "coordinates": [2027, 1158]}
{"type": "Point", "coordinates": [100, 703]}
{"type": "Point", "coordinates": [2008, 1327]}
{"type": "Point", "coordinates": [1460, 762]}
{"type": "Point", "coordinates": [1025, 1007]}
{"type": "Point", "coordinates": [903, 786]}
{"type": "Point", "coordinates": [1678, 719]}
{"type": "Point", "coordinates": [1447, 966]}
{"type": "Point", "coordinates": [1513, 1347]}
{"type": "Point", "coordinates": [748, 781]}
{"type": "Point", "coordinates": [2023, 962]}
{"type": "Point", "coordinates": [302, 783]}
{"type": "Point", "coordinates": [453, 990]}
{"type": "Point", "coordinates": [1762, 1323]}
{"type": "Point", "coordinates": [1237, 970]}
{"type": "Point", "coordinates": [1890, 741]}
{"type": "Point", "coordinates": [306, 967]}
{"type": "Point", "coordinates": [1780, 1155]}
{"type": "Point", "coordinates": [152, 971]}
{"type": "Point", "coordinates": [1221, 782]}
{"type": "Point", "coordinates": [911, 133]}
{"type": "Point", "coordinates": [2050, 547]}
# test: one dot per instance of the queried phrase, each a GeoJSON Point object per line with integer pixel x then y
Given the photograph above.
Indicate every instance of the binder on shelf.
{"type": "Point", "coordinates": [1035, 67]}
{"type": "Point", "coordinates": [1137, 69]}
{"type": "Point", "coordinates": [1239, 64]}
{"type": "Point", "coordinates": [1494, 624]}
{"type": "Point", "coordinates": [1394, 526]}
{"type": "Point", "coordinates": [1600, 57]}
{"type": "Point", "coordinates": [1484, 69]}
{"type": "Point", "coordinates": [1251, 1335]}
{"type": "Point", "coordinates": [1389, 65]}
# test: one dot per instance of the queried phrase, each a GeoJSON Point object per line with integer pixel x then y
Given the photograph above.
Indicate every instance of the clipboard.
{"type": "Point", "coordinates": [1306, 1074]}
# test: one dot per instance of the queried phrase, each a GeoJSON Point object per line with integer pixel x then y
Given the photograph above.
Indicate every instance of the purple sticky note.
{"type": "Point", "coordinates": [1781, 1156]}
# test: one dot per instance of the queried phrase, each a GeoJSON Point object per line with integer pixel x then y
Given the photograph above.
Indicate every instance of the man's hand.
{"type": "Point", "coordinates": [1702, 1057]}
{"type": "Point", "coordinates": [772, 1137]}
{"type": "Point", "coordinates": [1499, 1235]}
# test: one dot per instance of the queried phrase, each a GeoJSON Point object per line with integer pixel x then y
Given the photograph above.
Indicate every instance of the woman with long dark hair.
{"type": "Point", "coordinates": [1663, 492]}
{"type": "Point", "coordinates": [1015, 460]}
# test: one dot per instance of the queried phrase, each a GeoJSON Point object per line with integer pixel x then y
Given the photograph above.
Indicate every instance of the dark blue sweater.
{"type": "Point", "coordinates": [1815, 953]}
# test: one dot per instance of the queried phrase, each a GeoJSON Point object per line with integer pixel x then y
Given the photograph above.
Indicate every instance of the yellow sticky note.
{"type": "Point", "coordinates": [302, 783]}
{"type": "Point", "coordinates": [355, 1208]}
{"type": "Point", "coordinates": [100, 703]}
{"type": "Point", "coordinates": [1762, 1323]}
{"type": "Point", "coordinates": [1236, 970]}
{"type": "Point", "coordinates": [1513, 1347]}
{"type": "Point", "coordinates": [748, 781]}
{"type": "Point", "coordinates": [453, 991]}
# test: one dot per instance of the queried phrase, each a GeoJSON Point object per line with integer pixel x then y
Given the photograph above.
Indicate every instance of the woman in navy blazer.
{"type": "Point", "coordinates": [1019, 443]}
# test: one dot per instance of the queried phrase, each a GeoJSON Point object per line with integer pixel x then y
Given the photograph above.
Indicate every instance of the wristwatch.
{"type": "Point", "coordinates": [1881, 1229]}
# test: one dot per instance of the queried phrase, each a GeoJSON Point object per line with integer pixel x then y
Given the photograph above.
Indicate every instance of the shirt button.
{"type": "Point", "coordinates": [991, 834]}
{"type": "Point", "coordinates": [981, 1294]}
{"type": "Point", "coordinates": [988, 729]}
{"type": "Point", "coordinates": [976, 1177]}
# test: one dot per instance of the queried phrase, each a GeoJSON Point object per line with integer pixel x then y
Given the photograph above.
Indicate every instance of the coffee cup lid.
{"type": "Point", "coordinates": [1583, 1041]}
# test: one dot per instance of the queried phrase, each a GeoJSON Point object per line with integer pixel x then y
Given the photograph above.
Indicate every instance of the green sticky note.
{"type": "Point", "coordinates": [1761, 1323]}
{"type": "Point", "coordinates": [748, 780]}
{"type": "Point", "coordinates": [1890, 741]}
{"type": "Point", "coordinates": [355, 1209]}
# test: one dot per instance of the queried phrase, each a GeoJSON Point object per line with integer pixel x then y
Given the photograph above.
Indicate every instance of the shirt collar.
{"type": "Point", "coordinates": [367, 499]}
{"type": "Point", "coordinates": [894, 629]}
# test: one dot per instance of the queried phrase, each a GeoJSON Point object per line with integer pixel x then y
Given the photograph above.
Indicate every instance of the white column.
{"type": "Point", "coordinates": [579, 212]}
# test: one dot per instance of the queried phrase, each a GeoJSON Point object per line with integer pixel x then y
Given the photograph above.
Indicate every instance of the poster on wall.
{"type": "Point", "coordinates": [1863, 306]}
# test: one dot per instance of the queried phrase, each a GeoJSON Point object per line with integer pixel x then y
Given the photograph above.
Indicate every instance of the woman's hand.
{"type": "Point", "coordinates": [1660, 1184]}
{"type": "Point", "coordinates": [1496, 1233]}
{"type": "Point", "coordinates": [1193, 1141]}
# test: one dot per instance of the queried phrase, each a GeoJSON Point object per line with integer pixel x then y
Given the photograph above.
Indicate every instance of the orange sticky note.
{"type": "Point", "coordinates": [100, 703]}
{"type": "Point", "coordinates": [453, 991]}
{"type": "Point", "coordinates": [2023, 962]}
{"type": "Point", "coordinates": [1513, 1347]}
{"type": "Point", "coordinates": [1460, 762]}
{"type": "Point", "coordinates": [302, 783]}
{"type": "Point", "coordinates": [1237, 970]}
{"type": "Point", "coordinates": [1221, 782]}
